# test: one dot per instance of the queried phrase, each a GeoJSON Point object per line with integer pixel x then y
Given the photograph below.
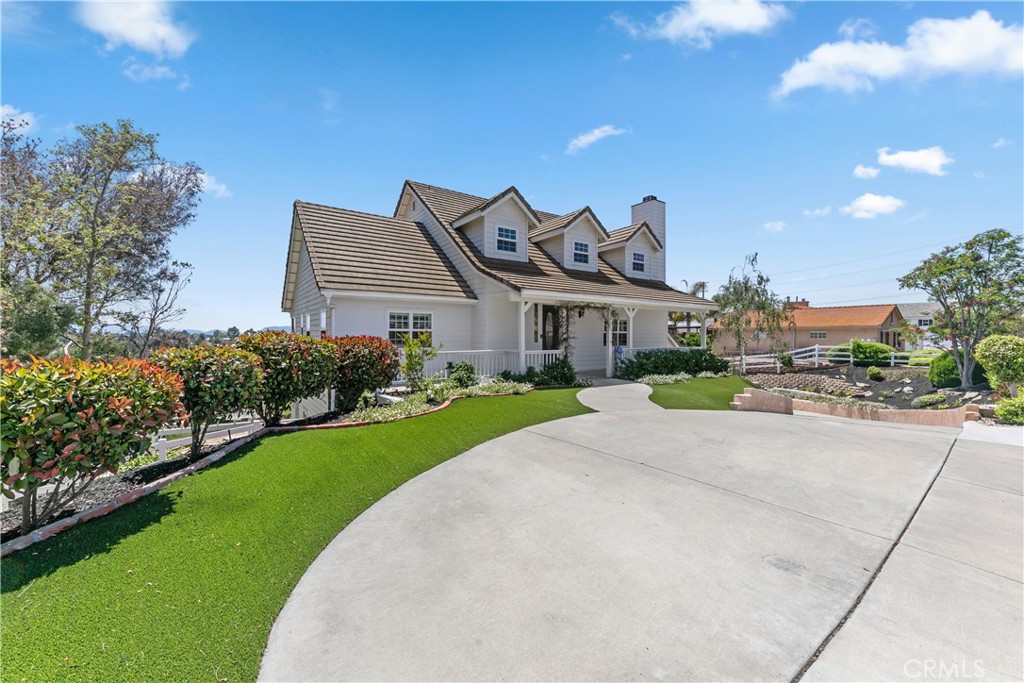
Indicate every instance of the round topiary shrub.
{"type": "Point", "coordinates": [294, 367]}
{"type": "Point", "coordinates": [1011, 410]}
{"type": "Point", "coordinates": [1003, 358]}
{"type": "Point", "coordinates": [875, 373]}
{"type": "Point", "coordinates": [219, 381]}
{"type": "Point", "coordinates": [69, 421]}
{"type": "Point", "coordinates": [943, 373]}
{"type": "Point", "coordinates": [928, 400]}
{"type": "Point", "coordinates": [362, 363]}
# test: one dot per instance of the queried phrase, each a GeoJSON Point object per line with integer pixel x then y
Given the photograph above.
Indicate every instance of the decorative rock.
{"type": "Point", "coordinates": [860, 384]}
{"type": "Point", "coordinates": [906, 380]}
{"type": "Point", "coordinates": [869, 393]}
{"type": "Point", "coordinates": [908, 390]}
{"type": "Point", "coordinates": [971, 394]}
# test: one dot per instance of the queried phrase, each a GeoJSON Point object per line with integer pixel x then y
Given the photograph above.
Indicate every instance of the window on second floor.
{"type": "Point", "coordinates": [924, 322]}
{"type": "Point", "coordinates": [507, 240]}
{"type": "Point", "coordinates": [580, 252]}
{"type": "Point", "coordinates": [639, 262]}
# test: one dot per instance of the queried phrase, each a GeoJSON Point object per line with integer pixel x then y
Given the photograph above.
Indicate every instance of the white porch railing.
{"type": "Point", "coordinates": [488, 362]}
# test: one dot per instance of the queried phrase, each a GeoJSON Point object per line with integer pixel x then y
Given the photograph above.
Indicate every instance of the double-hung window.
{"type": "Point", "coordinates": [639, 262]}
{"type": "Point", "coordinates": [507, 240]}
{"type": "Point", "coordinates": [413, 324]}
{"type": "Point", "coordinates": [580, 252]}
{"type": "Point", "coordinates": [620, 333]}
{"type": "Point", "coordinates": [924, 322]}
{"type": "Point", "coordinates": [819, 335]}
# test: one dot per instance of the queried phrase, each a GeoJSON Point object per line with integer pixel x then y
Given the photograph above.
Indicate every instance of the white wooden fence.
{"type": "Point", "coordinates": [161, 445]}
{"type": "Point", "coordinates": [814, 356]}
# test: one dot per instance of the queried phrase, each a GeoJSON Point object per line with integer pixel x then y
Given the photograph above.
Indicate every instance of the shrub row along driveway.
{"type": "Point", "coordinates": [184, 584]}
{"type": "Point", "coordinates": [677, 545]}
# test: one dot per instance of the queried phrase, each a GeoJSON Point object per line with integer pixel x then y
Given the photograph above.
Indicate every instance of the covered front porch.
{"type": "Point", "coordinates": [594, 334]}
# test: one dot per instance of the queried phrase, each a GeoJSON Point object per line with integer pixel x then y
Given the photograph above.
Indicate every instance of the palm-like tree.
{"type": "Point", "coordinates": [698, 288]}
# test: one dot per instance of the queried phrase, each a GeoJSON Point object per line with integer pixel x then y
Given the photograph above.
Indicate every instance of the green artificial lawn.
{"type": "Point", "coordinates": [713, 393]}
{"type": "Point", "coordinates": [184, 584]}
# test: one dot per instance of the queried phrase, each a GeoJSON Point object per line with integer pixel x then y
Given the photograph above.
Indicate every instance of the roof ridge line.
{"type": "Point", "coordinates": [361, 213]}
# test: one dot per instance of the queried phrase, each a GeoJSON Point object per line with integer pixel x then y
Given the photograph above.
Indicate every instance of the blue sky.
{"type": "Point", "coordinates": [748, 119]}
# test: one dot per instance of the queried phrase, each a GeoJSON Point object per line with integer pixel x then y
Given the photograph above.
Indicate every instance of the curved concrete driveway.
{"type": "Point", "coordinates": [681, 545]}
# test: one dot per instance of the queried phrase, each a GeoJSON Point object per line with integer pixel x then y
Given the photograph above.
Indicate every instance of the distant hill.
{"type": "Point", "coordinates": [190, 330]}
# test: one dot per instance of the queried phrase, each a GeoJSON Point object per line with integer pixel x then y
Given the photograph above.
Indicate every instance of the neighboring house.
{"type": "Point", "coordinates": [827, 326]}
{"type": "Point", "coordinates": [922, 316]}
{"type": "Point", "coordinates": [485, 276]}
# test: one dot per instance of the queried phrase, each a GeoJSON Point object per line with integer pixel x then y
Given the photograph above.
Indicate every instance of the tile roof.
{"type": "Point", "coordinates": [557, 223]}
{"type": "Point", "coordinates": [511, 190]}
{"type": "Point", "coordinates": [843, 316]}
{"type": "Point", "coordinates": [363, 252]}
{"type": "Point", "coordinates": [543, 272]}
{"type": "Point", "coordinates": [625, 234]}
{"type": "Point", "coordinates": [928, 309]}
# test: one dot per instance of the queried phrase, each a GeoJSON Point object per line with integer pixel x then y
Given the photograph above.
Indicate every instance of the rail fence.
{"type": "Point", "coordinates": [815, 356]}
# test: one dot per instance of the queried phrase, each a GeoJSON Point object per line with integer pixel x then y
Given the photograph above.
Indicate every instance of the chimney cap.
{"type": "Point", "coordinates": [649, 198]}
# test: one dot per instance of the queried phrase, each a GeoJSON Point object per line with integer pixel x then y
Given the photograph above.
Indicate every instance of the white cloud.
{"type": "Point", "coordinates": [818, 213]}
{"type": "Point", "coordinates": [584, 140]}
{"type": "Point", "coordinates": [866, 172]}
{"type": "Point", "coordinates": [329, 100]}
{"type": "Point", "coordinates": [145, 26]}
{"type": "Point", "coordinates": [872, 205]}
{"type": "Point", "coordinates": [930, 160]}
{"type": "Point", "coordinates": [215, 187]}
{"type": "Point", "coordinates": [934, 47]}
{"type": "Point", "coordinates": [774, 226]}
{"type": "Point", "coordinates": [1002, 142]}
{"type": "Point", "coordinates": [19, 18]}
{"type": "Point", "coordinates": [27, 118]}
{"type": "Point", "coordinates": [852, 29]}
{"type": "Point", "coordinates": [699, 23]}
{"type": "Point", "coordinates": [140, 73]}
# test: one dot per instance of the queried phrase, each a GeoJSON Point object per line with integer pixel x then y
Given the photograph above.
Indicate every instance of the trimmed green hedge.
{"type": "Point", "coordinates": [943, 373]}
{"type": "Point", "coordinates": [670, 362]}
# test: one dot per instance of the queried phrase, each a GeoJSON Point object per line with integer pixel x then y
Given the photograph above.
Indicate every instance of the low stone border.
{"type": "Point", "coordinates": [54, 528]}
{"type": "Point", "coordinates": [767, 402]}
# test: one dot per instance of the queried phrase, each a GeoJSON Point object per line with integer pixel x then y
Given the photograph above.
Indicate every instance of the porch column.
{"type": "Point", "coordinates": [704, 332]}
{"type": "Point", "coordinates": [609, 361]}
{"type": "Point", "coordinates": [630, 312]}
{"type": "Point", "coordinates": [523, 307]}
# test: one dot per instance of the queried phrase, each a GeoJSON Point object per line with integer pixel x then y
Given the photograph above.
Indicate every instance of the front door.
{"type": "Point", "coordinates": [549, 328]}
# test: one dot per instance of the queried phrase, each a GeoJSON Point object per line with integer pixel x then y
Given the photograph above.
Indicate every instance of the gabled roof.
{"type": "Point", "coordinates": [620, 237]}
{"type": "Point", "coordinates": [353, 251]}
{"type": "Point", "coordinates": [511, 193]}
{"type": "Point", "coordinates": [928, 309]}
{"type": "Point", "coordinates": [552, 226]}
{"type": "Point", "coordinates": [542, 272]}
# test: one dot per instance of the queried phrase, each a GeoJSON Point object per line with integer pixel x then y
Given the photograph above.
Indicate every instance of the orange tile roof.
{"type": "Point", "coordinates": [805, 317]}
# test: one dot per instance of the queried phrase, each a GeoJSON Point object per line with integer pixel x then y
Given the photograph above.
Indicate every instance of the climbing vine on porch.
{"type": "Point", "coordinates": [571, 311]}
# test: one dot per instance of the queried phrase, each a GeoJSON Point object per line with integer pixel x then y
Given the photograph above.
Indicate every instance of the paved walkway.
{"type": "Point", "coordinates": [673, 545]}
{"type": "Point", "coordinates": [617, 394]}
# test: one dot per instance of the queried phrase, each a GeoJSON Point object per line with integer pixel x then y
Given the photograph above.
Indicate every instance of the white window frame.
{"type": "Point", "coordinates": [581, 256]}
{"type": "Point", "coordinates": [306, 329]}
{"type": "Point", "coordinates": [323, 322]}
{"type": "Point", "coordinates": [412, 326]}
{"type": "Point", "coordinates": [925, 322]}
{"type": "Point", "coordinates": [818, 334]}
{"type": "Point", "coordinates": [642, 261]}
{"type": "Point", "coordinates": [620, 333]}
{"type": "Point", "coordinates": [513, 240]}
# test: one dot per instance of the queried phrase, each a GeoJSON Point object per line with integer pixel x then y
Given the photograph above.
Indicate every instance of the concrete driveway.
{"type": "Point", "coordinates": [676, 545]}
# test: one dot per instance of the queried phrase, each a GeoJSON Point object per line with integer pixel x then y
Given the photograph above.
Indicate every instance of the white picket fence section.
{"type": "Point", "coordinates": [488, 362]}
{"type": "Point", "coordinates": [161, 445]}
{"type": "Point", "coordinates": [813, 356]}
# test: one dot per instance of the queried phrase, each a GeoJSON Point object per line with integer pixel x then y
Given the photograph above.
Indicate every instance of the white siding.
{"type": "Point", "coordinates": [451, 322]}
{"type": "Point", "coordinates": [653, 212]}
{"type": "Point", "coordinates": [506, 215]}
{"type": "Point", "coordinates": [308, 300]}
{"type": "Point", "coordinates": [650, 329]}
{"type": "Point", "coordinates": [589, 352]}
{"type": "Point", "coordinates": [583, 231]}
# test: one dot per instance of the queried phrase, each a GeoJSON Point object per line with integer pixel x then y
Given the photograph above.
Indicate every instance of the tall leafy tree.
{"type": "Point", "coordinates": [747, 307]}
{"type": "Point", "coordinates": [123, 203]}
{"type": "Point", "coordinates": [979, 286]}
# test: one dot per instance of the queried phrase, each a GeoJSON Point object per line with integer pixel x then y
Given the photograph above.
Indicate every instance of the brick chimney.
{"type": "Point", "coordinates": [800, 303]}
{"type": "Point", "coordinates": [652, 210]}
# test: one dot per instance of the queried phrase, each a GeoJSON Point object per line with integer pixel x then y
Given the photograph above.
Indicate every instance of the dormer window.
{"type": "Point", "coordinates": [639, 262]}
{"type": "Point", "coordinates": [507, 240]}
{"type": "Point", "coordinates": [580, 252]}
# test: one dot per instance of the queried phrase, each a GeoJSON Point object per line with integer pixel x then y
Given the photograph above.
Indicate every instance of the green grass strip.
{"type": "Point", "coordinates": [184, 584]}
{"type": "Point", "coordinates": [700, 393]}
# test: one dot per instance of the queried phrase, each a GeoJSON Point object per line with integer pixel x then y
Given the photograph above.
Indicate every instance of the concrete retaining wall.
{"type": "Point", "coordinates": [768, 402]}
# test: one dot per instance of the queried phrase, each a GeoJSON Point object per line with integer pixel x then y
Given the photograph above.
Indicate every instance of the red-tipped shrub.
{"type": "Point", "coordinates": [67, 421]}
{"type": "Point", "coordinates": [294, 367]}
{"type": "Point", "coordinates": [363, 364]}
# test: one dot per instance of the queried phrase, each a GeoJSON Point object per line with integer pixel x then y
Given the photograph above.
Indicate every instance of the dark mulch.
{"type": "Point", "coordinates": [893, 390]}
{"type": "Point", "coordinates": [100, 491]}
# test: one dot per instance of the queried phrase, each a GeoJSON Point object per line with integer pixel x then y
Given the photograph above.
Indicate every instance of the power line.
{"type": "Point", "coordinates": [886, 299]}
{"type": "Point", "coordinates": [875, 256]}
{"type": "Point", "coordinates": [855, 284]}
{"type": "Point", "coordinates": [853, 272]}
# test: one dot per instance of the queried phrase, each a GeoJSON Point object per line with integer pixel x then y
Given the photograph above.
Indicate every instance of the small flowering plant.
{"type": "Point", "coordinates": [65, 422]}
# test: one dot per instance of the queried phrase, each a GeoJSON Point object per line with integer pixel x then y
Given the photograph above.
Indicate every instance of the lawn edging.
{"type": "Point", "coordinates": [54, 528]}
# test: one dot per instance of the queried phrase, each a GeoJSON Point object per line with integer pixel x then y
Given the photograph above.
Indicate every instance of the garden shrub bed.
{"type": "Point", "coordinates": [893, 389]}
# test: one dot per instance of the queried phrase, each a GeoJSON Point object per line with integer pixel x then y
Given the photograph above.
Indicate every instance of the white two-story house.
{"type": "Point", "coordinates": [493, 280]}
